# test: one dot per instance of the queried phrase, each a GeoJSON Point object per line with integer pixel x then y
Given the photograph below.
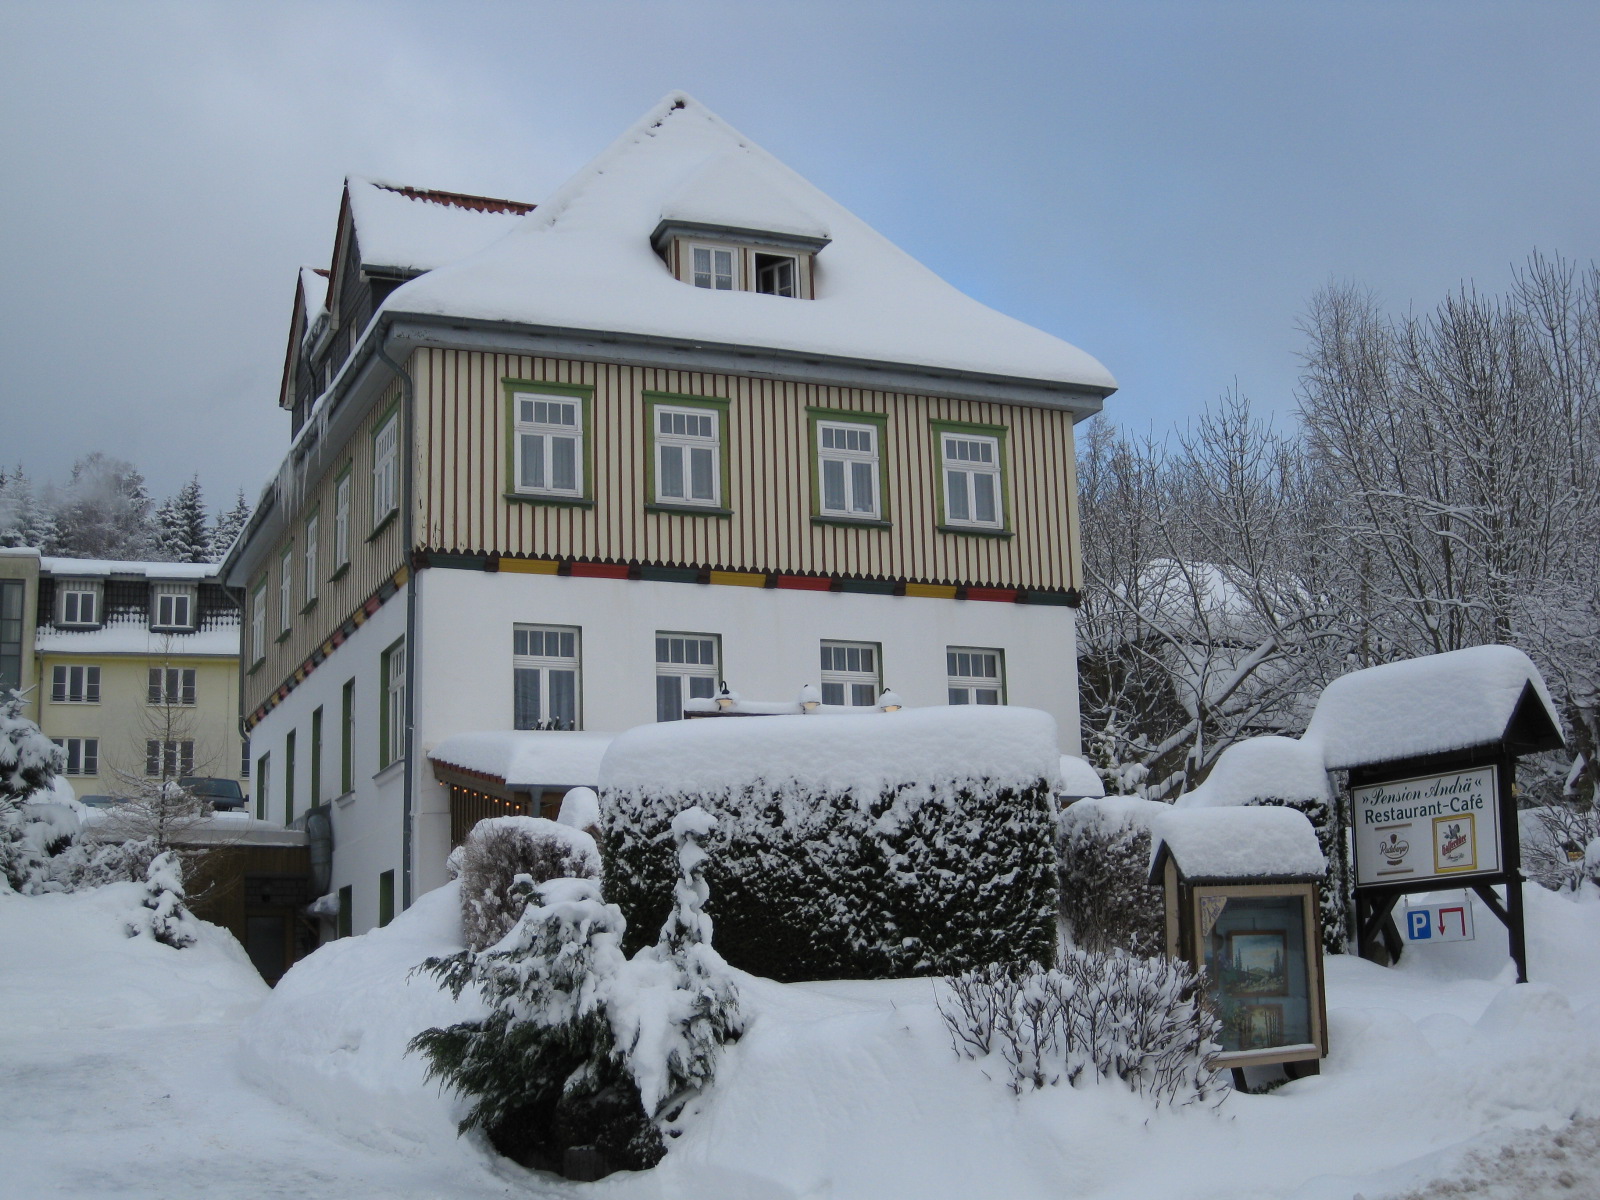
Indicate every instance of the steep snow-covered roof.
{"type": "Point", "coordinates": [583, 261]}
{"type": "Point", "coordinates": [525, 758]}
{"type": "Point", "coordinates": [1218, 843]}
{"type": "Point", "coordinates": [1427, 705]}
{"type": "Point", "coordinates": [1003, 744]}
{"type": "Point", "coordinates": [413, 229]}
{"type": "Point", "coordinates": [1260, 768]}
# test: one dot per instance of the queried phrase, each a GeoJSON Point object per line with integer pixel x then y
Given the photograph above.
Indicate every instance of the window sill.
{"type": "Point", "coordinates": [343, 570]}
{"type": "Point", "coordinates": [172, 629]}
{"type": "Point", "coordinates": [255, 666]}
{"type": "Point", "coordinates": [850, 522]}
{"type": "Point", "coordinates": [345, 800]}
{"type": "Point", "coordinates": [690, 510]}
{"type": "Point", "coordinates": [284, 636]}
{"type": "Point", "coordinates": [77, 703]}
{"type": "Point", "coordinates": [392, 771]}
{"type": "Point", "coordinates": [975, 531]}
{"type": "Point", "coordinates": [308, 606]}
{"type": "Point", "coordinates": [558, 501]}
{"type": "Point", "coordinates": [387, 521]}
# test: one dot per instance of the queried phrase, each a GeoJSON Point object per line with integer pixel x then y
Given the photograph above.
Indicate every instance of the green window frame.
{"type": "Point", "coordinates": [385, 898]}
{"type": "Point", "coordinates": [347, 904]}
{"type": "Point", "coordinates": [972, 432]}
{"type": "Point", "coordinates": [311, 553]}
{"type": "Point", "coordinates": [343, 504]}
{"type": "Point", "coordinates": [515, 392]}
{"type": "Point", "coordinates": [717, 408]}
{"type": "Point", "coordinates": [347, 733]}
{"type": "Point", "coordinates": [817, 420]}
{"type": "Point", "coordinates": [258, 622]}
{"type": "Point", "coordinates": [386, 467]}
{"type": "Point", "coordinates": [288, 777]}
{"type": "Point", "coordinates": [316, 756]}
{"type": "Point", "coordinates": [262, 775]}
{"type": "Point", "coordinates": [391, 704]}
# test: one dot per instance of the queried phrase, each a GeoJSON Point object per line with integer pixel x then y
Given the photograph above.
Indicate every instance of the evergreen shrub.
{"type": "Point", "coordinates": [1107, 902]}
{"type": "Point", "coordinates": [498, 850]}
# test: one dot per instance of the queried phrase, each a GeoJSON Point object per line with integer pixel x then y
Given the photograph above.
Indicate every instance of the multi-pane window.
{"type": "Point", "coordinates": [12, 594]}
{"type": "Point", "coordinates": [83, 755]}
{"type": "Point", "coordinates": [850, 673]}
{"type": "Point", "coordinates": [776, 275]}
{"type": "Point", "coordinates": [341, 521]}
{"type": "Point", "coordinates": [544, 677]}
{"type": "Point", "coordinates": [77, 603]}
{"type": "Point", "coordinates": [75, 685]}
{"type": "Point", "coordinates": [174, 607]}
{"type": "Point", "coordinates": [975, 676]}
{"type": "Point", "coordinates": [258, 622]}
{"type": "Point", "coordinates": [971, 480]}
{"type": "Point", "coordinates": [244, 758]}
{"type": "Point", "coordinates": [285, 589]}
{"type": "Point", "coordinates": [686, 669]}
{"type": "Point", "coordinates": [688, 456]}
{"type": "Point", "coordinates": [385, 469]}
{"type": "Point", "coordinates": [168, 759]}
{"type": "Point", "coordinates": [715, 267]}
{"type": "Point", "coordinates": [170, 686]}
{"type": "Point", "coordinates": [847, 460]}
{"type": "Point", "coordinates": [393, 729]}
{"type": "Point", "coordinates": [288, 777]}
{"type": "Point", "coordinates": [316, 756]}
{"type": "Point", "coordinates": [549, 440]}
{"type": "Point", "coordinates": [312, 523]}
{"type": "Point", "coordinates": [263, 773]}
{"type": "Point", "coordinates": [347, 735]}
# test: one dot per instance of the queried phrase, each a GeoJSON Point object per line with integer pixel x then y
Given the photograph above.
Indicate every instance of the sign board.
{"type": "Point", "coordinates": [1443, 921]}
{"type": "Point", "coordinates": [1428, 828]}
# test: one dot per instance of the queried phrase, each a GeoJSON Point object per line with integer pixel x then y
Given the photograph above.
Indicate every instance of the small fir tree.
{"type": "Point", "coordinates": [166, 918]}
{"type": "Point", "coordinates": [228, 526]}
{"type": "Point", "coordinates": [181, 527]}
{"type": "Point", "coordinates": [24, 519]}
{"type": "Point", "coordinates": [29, 764]}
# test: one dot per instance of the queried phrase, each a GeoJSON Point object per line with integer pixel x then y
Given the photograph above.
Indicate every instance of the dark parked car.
{"type": "Point", "coordinates": [224, 794]}
{"type": "Point", "coordinates": [102, 801]}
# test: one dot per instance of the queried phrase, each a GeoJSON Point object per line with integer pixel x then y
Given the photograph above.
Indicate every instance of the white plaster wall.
{"type": "Point", "coordinates": [770, 647]}
{"type": "Point", "coordinates": [368, 822]}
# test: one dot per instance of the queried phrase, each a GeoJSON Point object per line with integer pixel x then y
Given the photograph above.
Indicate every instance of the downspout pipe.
{"type": "Point", "coordinates": [408, 404]}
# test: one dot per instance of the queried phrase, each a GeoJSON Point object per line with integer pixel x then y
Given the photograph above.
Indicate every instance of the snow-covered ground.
{"type": "Point", "coordinates": [129, 1069]}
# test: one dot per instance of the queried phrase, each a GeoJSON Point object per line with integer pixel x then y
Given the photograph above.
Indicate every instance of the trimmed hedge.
{"type": "Point", "coordinates": [1104, 852]}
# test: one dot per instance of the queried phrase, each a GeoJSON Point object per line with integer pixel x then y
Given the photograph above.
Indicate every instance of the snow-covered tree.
{"type": "Point", "coordinates": [29, 765]}
{"type": "Point", "coordinates": [228, 526]}
{"type": "Point", "coordinates": [104, 511]}
{"type": "Point", "coordinates": [182, 533]}
{"type": "Point", "coordinates": [25, 520]}
{"type": "Point", "coordinates": [166, 918]}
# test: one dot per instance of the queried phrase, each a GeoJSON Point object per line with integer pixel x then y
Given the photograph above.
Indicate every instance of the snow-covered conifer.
{"type": "Point", "coordinates": [29, 764]}
{"type": "Point", "coordinates": [182, 534]}
{"type": "Point", "coordinates": [104, 512]}
{"type": "Point", "coordinates": [228, 526]}
{"type": "Point", "coordinates": [25, 520]}
{"type": "Point", "coordinates": [166, 918]}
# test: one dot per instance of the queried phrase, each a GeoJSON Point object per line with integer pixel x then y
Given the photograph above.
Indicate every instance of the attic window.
{"type": "Point", "coordinates": [714, 267]}
{"type": "Point", "coordinates": [775, 274]}
{"type": "Point", "coordinates": [723, 258]}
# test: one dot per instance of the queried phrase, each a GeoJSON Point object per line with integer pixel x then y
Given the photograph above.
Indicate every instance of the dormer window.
{"type": "Point", "coordinates": [724, 259]}
{"type": "Point", "coordinates": [78, 602]}
{"type": "Point", "coordinates": [172, 606]}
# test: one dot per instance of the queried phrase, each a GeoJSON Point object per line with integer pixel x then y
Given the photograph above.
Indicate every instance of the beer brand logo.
{"type": "Point", "coordinates": [1454, 840]}
{"type": "Point", "coordinates": [1394, 850]}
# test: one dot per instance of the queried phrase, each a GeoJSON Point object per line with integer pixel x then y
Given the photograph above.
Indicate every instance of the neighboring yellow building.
{"type": "Point", "coordinates": [134, 670]}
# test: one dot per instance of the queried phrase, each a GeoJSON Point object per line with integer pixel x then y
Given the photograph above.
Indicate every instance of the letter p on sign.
{"type": "Point", "coordinates": [1421, 922]}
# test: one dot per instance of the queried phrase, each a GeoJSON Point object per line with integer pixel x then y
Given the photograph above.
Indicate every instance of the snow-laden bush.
{"type": "Point", "coordinates": [1096, 1016]}
{"type": "Point", "coordinates": [30, 831]}
{"type": "Point", "coordinates": [1103, 856]}
{"type": "Point", "coordinates": [1561, 847]}
{"type": "Point", "coordinates": [165, 918]}
{"type": "Point", "coordinates": [913, 843]}
{"type": "Point", "coordinates": [588, 1058]}
{"type": "Point", "coordinates": [496, 852]}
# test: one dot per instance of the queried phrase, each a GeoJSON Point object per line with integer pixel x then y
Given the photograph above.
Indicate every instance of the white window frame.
{"type": "Point", "coordinates": [385, 469]}
{"type": "Point", "coordinates": [70, 605]}
{"type": "Point", "coordinates": [394, 703]}
{"type": "Point", "coordinates": [693, 661]}
{"type": "Point", "coordinates": [973, 673]}
{"type": "Point", "coordinates": [960, 476]}
{"type": "Point", "coordinates": [548, 432]}
{"type": "Point", "coordinates": [168, 758]}
{"type": "Point", "coordinates": [83, 755]}
{"type": "Point", "coordinates": [712, 249]}
{"type": "Point", "coordinates": [855, 669]}
{"type": "Point", "coordinates": [532, 653]}
{"type": "Point", "coordinates": [258, 623]}
{"type": "Point", "coordinates": [757, 270]}
{"type": "Point", "coordinates": [848, 459]}
{"type": "Point", "coordinates": [171, 687]}
{"type": "Point", "coordinates": [311, 548]}
{"type": "Point", "coordinates": [286, 589]}
{"type": "Point", "coordinates": [171, 601]}
{"type": "Point", "coordinates": [683, 446]}
{"type": "Point", "coordinates": [74, 685]}
{"type": "Point", "coordinates": [341, 522]}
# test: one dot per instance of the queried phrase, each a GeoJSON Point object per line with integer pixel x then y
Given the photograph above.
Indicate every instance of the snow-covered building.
{"type": "Point", "coordinates": [569, 466]}
{"type": "Point", "coordinates": [130, 667]}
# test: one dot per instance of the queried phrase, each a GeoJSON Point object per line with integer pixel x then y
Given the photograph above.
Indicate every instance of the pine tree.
{"type": "Point", "coordinates": [24, 519]}
{"type": "Point", "coordinates": [228, 527]}
{"type": "Point", "coordinates": [104, 512]}
{"type": "Point", "coordinates": [168, 919]}
{"type": "Point", "coordinates": [181, 533]}
{"type": "Point", "coordinates": [29, 764]}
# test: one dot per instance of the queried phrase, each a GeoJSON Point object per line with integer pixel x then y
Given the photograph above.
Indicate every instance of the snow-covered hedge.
{"type": "Point", "coordinates": [911, 843]}
{"type": "Point", "coordinates": [1103, 850]}
{"type": "Point", "coordinates": [1096, 1016]}
{"type": "Point", "coordinates": [499, 849]}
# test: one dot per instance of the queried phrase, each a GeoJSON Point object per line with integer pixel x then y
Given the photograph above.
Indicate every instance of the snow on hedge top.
{"type": "Point", "coordinates": [1078, 778]}
{"type": "Point", "coordinates": [1105, 816]}
{"type": "Point", "coordinates": [1218, 843]}
{"type": "Point", "coordinates": [1262, 768]}
{"type": "Point", "coordinates": [417, 232]}
{"type": "Point", "coordinates": [583, 261]}
{"type": "Point", "coordinates": [1424, 706]}
{"type": "Point", "coordinates": [527, 757]}
{"type": "Point", "coordinates": [1003, 744]}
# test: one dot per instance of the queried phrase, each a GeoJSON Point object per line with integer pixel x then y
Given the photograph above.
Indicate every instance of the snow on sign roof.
{"type": "Point", "coordinates": [412, 229]}
{"type": "Point", "coordinates": [1233, 843]}
{"type": "Point", "coordinates": [583, 261]}
{"type": "Point", "coordinates": [1003, 744]}
{"type": "Point", "coordinates": [1428, 705]}
{"type": "Point", "coordinates": [1262, 768]}
{"type": "Point", "coordinates": [526, 758]}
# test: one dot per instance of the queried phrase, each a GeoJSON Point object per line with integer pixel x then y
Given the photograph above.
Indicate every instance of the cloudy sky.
{"type": "Point", "coordinates": [1163, 184]}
